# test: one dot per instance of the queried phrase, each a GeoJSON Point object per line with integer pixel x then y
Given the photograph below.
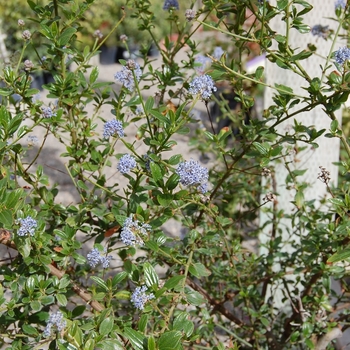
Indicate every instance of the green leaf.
{"type": "Point", "coordinates": [173, 281]}
{"type": "Point", "coordinates": [30, 285]}
{"type": "Point", "coordinates": [119, 277]}
{"type": "Point", "coordinates": [64, 282]}
{"type": "Point", "coordinates": [160, 117]}
{"type": "Point", "coordinates": [259, 72]}
{"type": "Point", "coordinates": [286, 90]}
{"type": "Point", "coordinates": [48, 300]}
{"type": "Point", "coordinates": [151, 343]}
{"type": "Point", "coordinates": [165, 199]}
{"type": "Point", "coordinates": [149, 104]}
{"type": "Point", "coordinates": [13, 198]}
{"type": "Point", "coordinates": [78, 310]}
{"type": "Point", "coordinates": [6, 92]}
{"type": "Point", "coordinates": [25, 248]}
{"type": "Point", "coordinates": [194, 298]}
{"type": "Point", "coordinates": [66, 36]}
{"type": "Point", "coordinates": [35, 305]}
{"type": "Point", "coordinates": [61, 299]}
{"type": "Point", "coordinates": [142, 324]}
{"type": "Point", "coordinates": [151, 277]}
{"type": "Point", "coordinates": [199, 270]}
{"type": "Point", "coordinates": [29, 330]}
{"type": "Point", "coordinates": [93, 75]}
{"type": "Point", "coordinates": [343, 255]}
{"type": "Point", "coordinates": [182, 323]}
{"type": "Point", "coordinates": [136, 338]}
{"type": "Point", "coordinates": [172, 182]}
{"type": "Point", "coordinates": [89, 345]}
{"type": "Point", "coordinates": [169, 340]}
{"type": "Point", "coordinates": [156, 171]}
{"type": "Point", "coordinates": [76, 333]}
{"type": "Point", "coordinates": [260, 148]}
{"type": "Point", "coordinates": [82, 185]}
{"type": "Point", "coordinates": [100, 282]}
{"type": "Point", "coordinates": [299, 199]}
{"type": "Point", "coordinates": [106, 326]}
{"type": "Point", "coordinates": [337, 202]}
{"type": "Point", "coordinates": [173, 160]}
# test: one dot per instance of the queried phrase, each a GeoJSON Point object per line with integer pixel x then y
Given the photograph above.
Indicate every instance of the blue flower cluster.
{"type": "Point", "coordinates": [218, 52]}
{"type": "Point", "coordinates": [126, 75]}
{"type": "Point", "coordinates": [169, 4]}
{"type": "Point", "coordinates": [55, 319]}
{"type": "Point", "coordinates": [203, 85]}
{"type": "Point", "coordinates": [94, 258]}
{"type": "Point", "coordinates": [193, 174]}
{"type": "Point", "coordinates": [190, 15]}
{"type": "Point", "coordinates": [139, 297]}
{"type": "Point", "coordinates": [126, 163]}
{"type": "Point", "coordinates": [320, 31]}
{"type": "Point", "coordinates": [202, 63]}
{"type": "Point", "coordinates": [342, 55]}
{"type": "Point", "coordinates": [113, 128]}
{"type": "Point", "coordinates": [47, 112]}
{"type": "Point", "coordinates": [28, 226]}
{"type": "Point", "coordinates": [139, 110]}
{"type": "Point", "coordinates": [133, 232]}
{"type": "Point", "coordinates": [340, 4]}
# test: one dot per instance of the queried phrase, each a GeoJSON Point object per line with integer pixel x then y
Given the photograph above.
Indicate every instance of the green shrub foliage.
{"type": "Point", "coordinates": [152, 252]}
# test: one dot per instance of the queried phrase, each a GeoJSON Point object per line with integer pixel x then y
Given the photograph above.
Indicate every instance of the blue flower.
{"type": "Point", "coordinates": [112, 128]}
{"type": "Point", "coordinates": [139, 110]}
{"type": "Point", "coordinates": [320, 31]}
{"type": "Point", "coordinates": [193, 174]}
{"type": "Point", "coordinates": [47, 112]}
{"type": "Point", "coordinates": [94, 258]}
{"type": "Point", "coordinates": [190, 15]}
{"type": "Point", "coordinates": [55, 319]}
{"type": "Point", "coordinates": [28, 226]}
{"type": "Point", "coordinates": [202, 63]}
{"type": "Point", "coordinates": [32, 139]}
{"type": "Point", "coordinates": [139, 297]}
{"type": "Point", "coordinates": [126, 75]}
{"type": "Point", "coordinates": [218, 52]}
{"type": "Point", "coordinates": [342, 55]}
{"type": "Point", "coordinates": [340, 4]}
{"type": "Point", "coordinates": [133, 232]}
{"type": "Point", "coordinates": [203, 85]}
{"type": "Point", "coordinates": [126, 163]}
{"type": "Point", "coordinates": [168, 4]}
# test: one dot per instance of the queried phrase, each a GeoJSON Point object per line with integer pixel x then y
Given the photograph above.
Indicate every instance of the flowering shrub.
{"type": "Point", "coordinates": [109, 271]}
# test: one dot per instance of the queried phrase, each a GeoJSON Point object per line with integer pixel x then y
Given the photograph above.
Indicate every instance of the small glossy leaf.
{"type": "Point", "coordinates": [151, 276]}
{"type": "Point", "coordinates": [106, 326]}
{"type": "Point", "coordinates": [169, 340]}
{"type": "Point", "coordinates": [61, 299]}
{"type": "Point", "coordinates": [66, 36]}
{"type": "Point", "coordinates": [194, 298]}
{"type": "Point", "coordinates": [30, 285]}
{"type": "Point", "coordinates": [151, 343]}
{"type": "Point", "coordinates": [156, 171]}
{"type": "Point", "coordinates": [100, 282]}
{"type": "Point", "coordinates": [339, 256]}
{"type": "Point", "coordinates": [143, 322]}
{"type": "Point", "coordinates": [173, 281]}
{"type": "Point", "coordinates": [29, 330]}
{"type": "Point", "coordinates": [136, 338]}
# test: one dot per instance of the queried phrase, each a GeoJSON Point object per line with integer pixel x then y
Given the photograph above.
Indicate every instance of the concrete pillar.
{"type": "Point", "coordinates": [312, 158]}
